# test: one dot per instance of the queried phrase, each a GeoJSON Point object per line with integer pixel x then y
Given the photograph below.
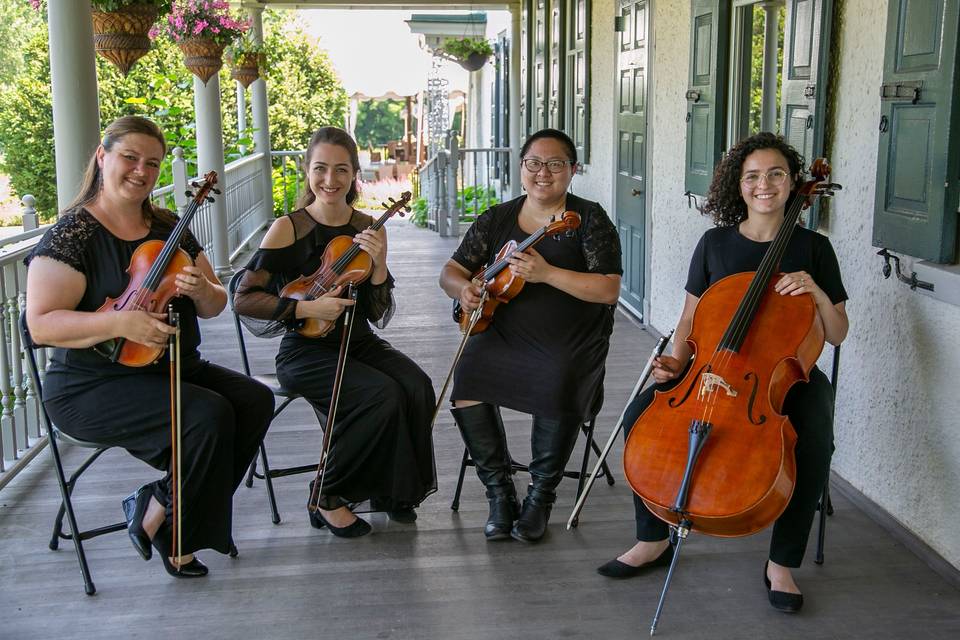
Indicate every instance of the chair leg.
{"type": "Point", "coordinates": [825, 508]}
{"type": "Point", "coordinates": [275, 514]}
{"type": "Point", "coordinates": [251, 472]}
{"type": "Point", "coordinates": [455, 505]}
{"type": "Point", "coordinates": [67, 506]}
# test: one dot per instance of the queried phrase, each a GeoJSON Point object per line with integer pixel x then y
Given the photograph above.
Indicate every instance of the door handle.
{"type": "Point", "coordinates": [636, 192]}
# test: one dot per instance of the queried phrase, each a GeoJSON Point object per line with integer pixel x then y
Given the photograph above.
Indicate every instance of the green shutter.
{"type": "Point", "coordinates": [918, 167]}
{"type": "Point", "coordinates": [706, 95]}
{"type": "Point", "coordinates": [577, 81]}
{"type": "Point", "coordinates": [803, 97]}
{"type": "Point", "coordinates": [524, 50]}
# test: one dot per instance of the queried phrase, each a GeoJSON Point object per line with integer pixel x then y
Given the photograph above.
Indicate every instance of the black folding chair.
{"type": "Point", "coordinates": [284, 397]}
{"type": "Point", "coordinates": [66, 486]}
{"type": "Point", "coordinates": [825, 507]}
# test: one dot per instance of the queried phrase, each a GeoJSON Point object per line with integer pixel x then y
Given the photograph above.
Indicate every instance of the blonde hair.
{"type": "Point", "coordinates": [92, 181]}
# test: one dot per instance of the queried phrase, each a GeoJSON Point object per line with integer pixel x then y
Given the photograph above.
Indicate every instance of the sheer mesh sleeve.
{"type": "Point", "coordinates": [66, 241]}
{"type": "Point", "coordinates": [600, 243]}
{"type": "Point", "coordinates": [378, 302]}
{"type": "Point", "coordinates": [256, 296]}
{"type": "Point", "coordinates": [474, 249]}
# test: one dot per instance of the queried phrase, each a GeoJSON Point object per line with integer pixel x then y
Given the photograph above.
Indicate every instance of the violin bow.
{"type": "Point", "coordinates": [176, 438]}
{"type": "Point", "coordinates": [314, 503]}
{"type": "Point", "coordinates": [474, 318]}
{"type": "Point", "coordinates": [642, 380]}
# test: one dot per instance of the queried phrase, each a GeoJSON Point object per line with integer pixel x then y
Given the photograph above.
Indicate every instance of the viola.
{"type": "Point", "coordinates": [344, 262]}
{"type": "Point", "coordinates": [499, 283]}
{"type": "Point", "coordinates": [152, 284]}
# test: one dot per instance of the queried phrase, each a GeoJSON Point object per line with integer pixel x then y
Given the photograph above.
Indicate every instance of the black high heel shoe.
{"type": "Point", "coordinates": [781, 600]}
{"type": "Point", "coordinates": [192, 569]}
{"type": "Point", "coordinates": [355, 529]}
{"type": "Point", "coordinates": [134, 508]}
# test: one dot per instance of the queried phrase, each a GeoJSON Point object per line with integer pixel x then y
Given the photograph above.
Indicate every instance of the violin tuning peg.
{"type": "Point", "coordinates": [216, 191]}
{"type": "Point", "coordinates": [189, 193]}
{"type": "Point", "coordinates": [209, 198]}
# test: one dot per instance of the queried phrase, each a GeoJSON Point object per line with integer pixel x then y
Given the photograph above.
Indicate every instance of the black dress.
{"type": "Point", "coordinates": [382, 447]}
{"type": "Point", "coordinates": [225, 414]}
{"type": "Point", "coordinates": [721, 252]}
{"type": "Point", "coordinates": [544, 352]}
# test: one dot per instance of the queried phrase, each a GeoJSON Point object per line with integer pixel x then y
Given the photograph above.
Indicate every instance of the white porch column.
{"type": "Point", "coordinates": [514, 113]}
{"type": "Point", "coordinates": [261, 119]}
{"type": "Point", "coordinates": [206, 103]}
{"type": "Point", "coordinates": [241, 116]}
{"type": "Point", "coordinates": [768, 117]}
{"type": "Point", "coordinates": [73, 79]}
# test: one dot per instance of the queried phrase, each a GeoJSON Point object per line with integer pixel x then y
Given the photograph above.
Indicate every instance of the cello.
{"type": "Point", "coordinates": [714, 454]}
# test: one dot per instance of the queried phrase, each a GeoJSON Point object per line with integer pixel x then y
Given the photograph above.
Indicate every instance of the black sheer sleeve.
{"type": "Point", "coordinates": [66, 241]}
{"type": "Point", "coordinates": [600, 243]}
{"type": "Point", "coordinates": [257, 298]}
{"type": "Point", "coordinates": [474, 249]}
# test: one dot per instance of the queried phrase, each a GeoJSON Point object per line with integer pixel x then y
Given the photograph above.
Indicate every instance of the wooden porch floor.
{"type": "Point", "coordinates": [438, 578]}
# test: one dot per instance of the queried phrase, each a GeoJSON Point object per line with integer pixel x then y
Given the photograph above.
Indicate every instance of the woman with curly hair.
{"type": "Point", "coordinates": [749, 194]}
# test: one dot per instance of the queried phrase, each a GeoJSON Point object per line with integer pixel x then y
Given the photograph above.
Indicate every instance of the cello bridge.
{"type": "Point", "coordinates": [710, 382]}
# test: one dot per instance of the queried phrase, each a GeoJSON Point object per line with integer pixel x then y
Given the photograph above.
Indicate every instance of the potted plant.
{"type": "Point", "coordinates": [202, 28]}
{"type": "Point", "coordinates": [121, 28]}
{"type": "Point", "coordinates": [247, 60]}
{"type": "Point", "coordinates": [469, 53]}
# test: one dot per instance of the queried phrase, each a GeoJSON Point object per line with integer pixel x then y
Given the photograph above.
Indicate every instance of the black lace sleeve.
{"type": "Point", "coordinates": [600, 243]}
{"type": "Point", "coordinates": [474, 249]}
{"type": "Point", "coordinates": [256, 294]}
{"type": "Point", "coordinates": [66, 241]}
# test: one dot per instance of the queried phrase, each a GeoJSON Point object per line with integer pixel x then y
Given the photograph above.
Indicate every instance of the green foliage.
{"type": "Point", "coordinates": [379, 121]}
{"type": "Point", "coordinates": [163, 6]}
{"type": "Point", "coordinates": [307, 95]}
{"type": "Point", "coordinates": [472, 201]}
{"type": "Point", "coordinates": [419, 212]}
{"type": "Point", "coordinates": [285, 191]}
{"type": "Point", "coordinates": [463, 48]}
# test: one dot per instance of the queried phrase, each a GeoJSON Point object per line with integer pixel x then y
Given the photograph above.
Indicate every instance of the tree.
{"type": "Point", "coordinates": [379, 121]}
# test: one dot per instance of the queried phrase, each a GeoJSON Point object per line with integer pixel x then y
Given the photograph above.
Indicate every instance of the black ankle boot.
{"type": "Point", "coordinates": [503, 511]}
{"type": "Point", "coordinates": [532, 523]}
{"type": "Point", "coordinates": [482, 431]}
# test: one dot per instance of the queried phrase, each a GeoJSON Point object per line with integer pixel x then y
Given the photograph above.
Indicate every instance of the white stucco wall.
{"type": "Point", "coordinates": [897, 426]}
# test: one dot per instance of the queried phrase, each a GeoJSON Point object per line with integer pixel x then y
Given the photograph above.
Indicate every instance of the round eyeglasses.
{"type": "Point", "coordinates": [774, 177]}
{"type": "Point", "coordinates": [553, 166]}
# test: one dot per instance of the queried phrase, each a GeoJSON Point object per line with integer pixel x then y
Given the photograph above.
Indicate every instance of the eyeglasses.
{"type": "Point", "coordinates": [774, 177]}
{"type": "Point", "coordinates": [553, 166]}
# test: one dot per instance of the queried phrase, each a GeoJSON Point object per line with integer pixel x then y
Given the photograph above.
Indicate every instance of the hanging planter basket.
{"type": "Point", "coordinates": [474, 62]}
{"type": "Point", "coordinates": [121, 36]}
{"type": "Point", "coordinates": [202, 56]}
{"type": "Point", "coordinates": [246, 68]}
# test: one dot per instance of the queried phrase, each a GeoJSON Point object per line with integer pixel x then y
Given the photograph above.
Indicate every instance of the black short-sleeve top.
{"type": "Point", "coordinates": [724, 251]}
{"type": "Point", "coordinates": [82, 243]}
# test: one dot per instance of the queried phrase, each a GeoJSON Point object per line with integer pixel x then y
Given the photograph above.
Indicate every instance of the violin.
{"type": "Point", "coordinates": [500, 284]}
{"type": "Point", "coordinates": [344, 262]}
{"type": "Point", "coordinates": [715, 454]}
{"type": "Point", "coordinates": [152, 284]}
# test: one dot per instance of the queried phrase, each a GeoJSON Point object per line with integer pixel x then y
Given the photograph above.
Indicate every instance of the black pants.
{"type": "Point", "coordinates": [381, 447]}
{"type": "Point", "coordinates": [810, 408]}
{"type": "Point", "coordinates": [225, 416]}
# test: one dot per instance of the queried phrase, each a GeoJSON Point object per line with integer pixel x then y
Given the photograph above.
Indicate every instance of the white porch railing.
{"type": "Point", "coordinates": [21, 436]}
{"type": "Point", "coordinates": [291, 178]}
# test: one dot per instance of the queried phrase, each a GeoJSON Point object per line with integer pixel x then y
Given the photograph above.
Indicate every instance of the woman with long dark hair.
{"type": "Point", "coordinates": [81, 261]}
{"type": "Point", "coordinates": [381, 448]}
{"type": "Point", "coordinates": [748, 197]}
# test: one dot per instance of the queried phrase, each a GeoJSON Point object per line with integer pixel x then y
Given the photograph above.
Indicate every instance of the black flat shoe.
{"type": "Point", "coordinates": [134, 508]}
{"type": "Point", "coordinates": [781, 600]}
{"type": "Point", "coordinates": [617, 569]}
{"type": "Point", "coordinates": [192, 569]}
{"type": "Point", "coordinates": [398, 512]}
{"type": "Point", "coordinates": [355, 529]}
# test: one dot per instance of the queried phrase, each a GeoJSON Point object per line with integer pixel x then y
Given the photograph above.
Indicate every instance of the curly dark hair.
{"type": "Point", "coordinates": [724, 203]}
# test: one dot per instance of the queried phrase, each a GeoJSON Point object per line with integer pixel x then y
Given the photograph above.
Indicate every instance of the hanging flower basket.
{"type": "Point", "coordinates": [474, 62]}
{"type": "Point", "coordinates": [246, 68]}
{"type": "Point", "coordinates": [469, 53]}
{"type": "Point", "coordinates": [202, 56]}
{"type": "Point", "coordinates": [121, 36]}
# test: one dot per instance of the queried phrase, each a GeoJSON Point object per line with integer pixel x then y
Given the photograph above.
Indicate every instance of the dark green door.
{"type": "Point", "coordinates": [631, 181]}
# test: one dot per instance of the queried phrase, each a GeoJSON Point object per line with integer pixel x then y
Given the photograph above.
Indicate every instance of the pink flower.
{"type": "Point", "coordinates": [200, 26]}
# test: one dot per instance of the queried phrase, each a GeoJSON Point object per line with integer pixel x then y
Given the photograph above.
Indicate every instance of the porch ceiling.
{"type": "Point", "coordinates": [406, 5]}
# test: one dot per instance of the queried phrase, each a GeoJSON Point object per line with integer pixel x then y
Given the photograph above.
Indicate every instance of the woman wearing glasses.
{"type": "Point", "coordinates": [749, 194]}
{"type": "Point", "coordinates": [544, 352]}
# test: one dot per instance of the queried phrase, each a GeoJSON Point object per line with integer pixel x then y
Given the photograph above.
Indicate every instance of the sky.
{"type": "Point", "coordinates": [375, 52]}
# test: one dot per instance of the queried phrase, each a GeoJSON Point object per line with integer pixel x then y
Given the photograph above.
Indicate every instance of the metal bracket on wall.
{"type": "Point", "coordinates": [912, 280]}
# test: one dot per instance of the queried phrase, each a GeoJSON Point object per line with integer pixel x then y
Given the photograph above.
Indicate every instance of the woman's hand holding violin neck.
{"type": "Point", "coordinates": [148, 328]}
{"type": "Point", "coordinates": [530, 265]}
{"type": "Point", "coordinates": [666, 368]}
{"type": "Point", "coordinates": [374, 243]}
{"type": "Point", "coordinates": [470, 296]}
{"type": "Point", "coordinates": [192, 282]}
{"type": "Point", "coordinates": [329, 306]}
